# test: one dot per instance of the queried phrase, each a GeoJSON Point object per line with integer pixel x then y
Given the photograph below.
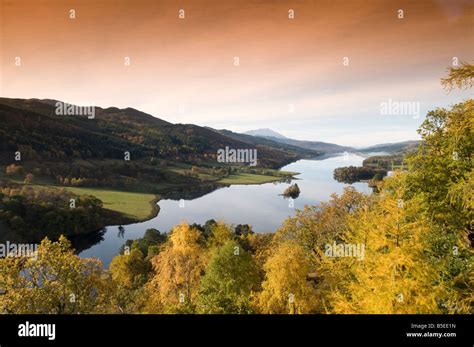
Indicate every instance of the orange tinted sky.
{"type": "Point", "coordinates": [182, 70]}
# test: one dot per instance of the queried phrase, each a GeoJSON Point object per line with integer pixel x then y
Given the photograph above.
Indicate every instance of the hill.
{"type": "Point", "coordinates": [273, 142]}
{"type": "Point", "coordinates": [321, 147]}
{"type": "Point", "coordinates": [264, 132]}
{"type": "Point", "coordinates": [79, 151]}
{"type": "Point", "coordinates": [33, 126]}
{"type": "Point", "coordinates": [392, 148]}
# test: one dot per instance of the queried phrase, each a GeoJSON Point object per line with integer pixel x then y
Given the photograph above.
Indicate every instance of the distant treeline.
{"type": "Point", "coordinates": [386, 162]}
{"type": "Point", "coordinates": [352, 174]}
{"type": "Point", "coordinates": [373, 168]}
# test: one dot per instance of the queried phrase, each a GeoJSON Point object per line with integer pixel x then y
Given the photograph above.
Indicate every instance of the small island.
{"type": "Point", "coordinates": [374, 168]}
{"type": "Point", "coordinates": [292, 191]}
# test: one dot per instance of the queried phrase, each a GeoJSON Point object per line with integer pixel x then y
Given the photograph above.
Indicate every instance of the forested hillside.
{"type": "Point", "coordinates": [94, 148]}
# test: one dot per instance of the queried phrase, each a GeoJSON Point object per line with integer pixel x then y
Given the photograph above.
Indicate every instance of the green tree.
{"type": "Point", "coordinates": [230, 280]}
{"type": "Point", "coordinates": [131, 268]}
{"type": "Point", "coordinates": [441, 178]}
{"type": "Point", "coordinates": [220, 234]}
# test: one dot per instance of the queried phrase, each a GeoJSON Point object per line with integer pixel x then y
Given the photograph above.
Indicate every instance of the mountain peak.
{"type": "Point", "coordinates": [265, 132]}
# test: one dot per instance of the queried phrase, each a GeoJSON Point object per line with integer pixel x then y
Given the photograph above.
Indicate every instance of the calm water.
{"type": "Point", "coordinates": [261, 206]}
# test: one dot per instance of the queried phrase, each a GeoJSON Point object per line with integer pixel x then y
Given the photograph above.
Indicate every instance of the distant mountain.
{"type": "Point", "coordinates": [273, 142]}
{"type": "Point", "coordinates": [323, 147]}
{"type": "Point", "coordinates": [392, 148]}
{"type": "Point", "coordinates": [265, 132]}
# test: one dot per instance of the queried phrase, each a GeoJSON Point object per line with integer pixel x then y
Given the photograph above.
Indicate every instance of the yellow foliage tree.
{"type": "Point", "coordinates": [286, 289]}
{"type": "Point", "coordinates": [178, 269]}
{"type": "Point", "coordinates": [129, 270]}
{"type": "Point", "coordinates": [220, 234]}
{"type": "Point", "coordinates": [54, 281]}
{"type": "Point", "coordinates": [393, 275]}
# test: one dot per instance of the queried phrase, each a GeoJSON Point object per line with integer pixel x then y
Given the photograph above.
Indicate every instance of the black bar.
{"type": "Point", "coordinates": [303, 330]}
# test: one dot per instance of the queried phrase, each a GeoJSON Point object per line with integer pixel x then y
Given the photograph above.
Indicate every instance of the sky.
{"type": "Point", "coordinates": [323, 75]}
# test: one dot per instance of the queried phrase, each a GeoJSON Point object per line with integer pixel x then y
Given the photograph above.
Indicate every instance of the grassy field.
{"type": "Point", "coordinates": [246, 178]}
{"type": "Point", "coordinates": [139, 205]}
{"type": "Point", "coordinates": [286, 173]}
{"type": "Point", "coordinates": [135, 205]}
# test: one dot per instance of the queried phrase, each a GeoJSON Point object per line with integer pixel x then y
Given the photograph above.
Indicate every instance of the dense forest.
{"type": "Point", "coordinates": [406, 249]}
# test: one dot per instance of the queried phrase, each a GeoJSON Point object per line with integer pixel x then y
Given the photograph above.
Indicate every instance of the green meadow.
{"type": "Point", "coordinates": [135, 205]}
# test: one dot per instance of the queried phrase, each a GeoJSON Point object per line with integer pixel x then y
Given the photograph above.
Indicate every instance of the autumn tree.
{"type": "Point", "coordinates": [286, 288]}
{"type": "Point", "coordinates": [441, 177]}
{"type": "Point", "coordinates": [131, 269]}
{"type": "Point", "coordinates": [54, 281]}
{"type": "Point", "coordinates": [29, 178]}
{"type": "Point", "coordinates": [460, 76]}
{"type": "Point", "coordinates": [315, 226]}
{"type": "Point", "coordinates": [178, 268]}
{"type": "Point", "coordinates": [443, 159]}
{"type": "Point", "coordinates": [129, 272]}
{"type": "Point", "coordinates": [220, 234]}
{"type": "Point", "coordinates": [391, 272]}
{"type": "Point", "coordinates": [14, 170]}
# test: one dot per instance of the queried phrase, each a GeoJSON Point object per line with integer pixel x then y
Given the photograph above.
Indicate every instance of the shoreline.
{"type": "Point", "coordinates": [123, 219]}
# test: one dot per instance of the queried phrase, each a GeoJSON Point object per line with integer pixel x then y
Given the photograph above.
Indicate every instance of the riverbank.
{"type": "Point", "coordinates": [134, 207]}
